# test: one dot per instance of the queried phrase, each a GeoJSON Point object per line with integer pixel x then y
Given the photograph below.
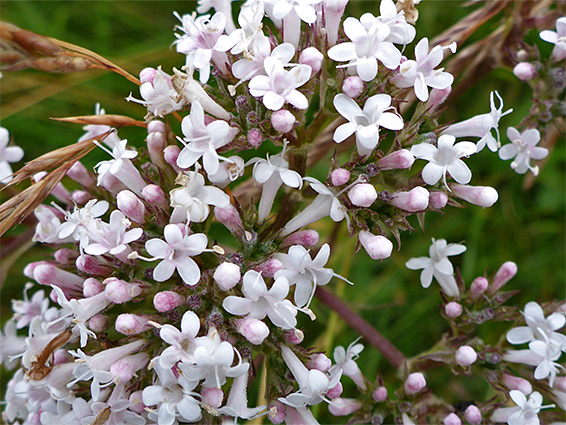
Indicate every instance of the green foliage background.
{"type": "Point", "coordinates": [524, 226]}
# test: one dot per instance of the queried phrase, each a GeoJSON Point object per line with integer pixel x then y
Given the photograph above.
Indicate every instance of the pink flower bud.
{"type": "Point", "coordinates": [112, 184]}
{"type": "Point", "coordinates": [119, 292]}
{"type": "Point", "coordinates": [283, 121]}
{"type": "Point", "coordinates": [398, 160]}
{"type": "Point", "coordinates": [465, 356]}
{"type": "Point", "coordinates": [227, 275]}
{"type": "Point", "coordinates": [306, 238]}
{"type": "Point", "coordinates": [453, 309]}
{"type": "Point", "coordinates": [524, 71]}
{"type": "Point", "coordinates": [65, 256]}
{"type": "Point", "coordinates": [170, 155]}
{"type": "Point", "coordinates": [29, 269]}
{"type": "Point", "coordinates": [254, 330]}
{"type": "Point", "coordinates": [340, 176]}
{"type": "Point", "coordinates": [131, 206]}
{"type": "Point", "coordinates": [167, 300]}
{"type": "Point", "coordinates": [131, 324]}
{"type": "Point", "coordinates": [362, 195]}
{"type": "Point", "coordinates": [255, 138]}
{"type": "Point", "coordinates": [276, 412]}
{"type": "Point", "coordinates": [517, 383]}
{"type": "Point", "coordinates": [88, 264]}
{"type": "Point", "coordinates": [313, 58]}
{"type": "Point", "coordinates": [81, 197]}
{"type": "Point", "coordinates": [333, 11]}
{"type": "Point", "coordinates": [378, 247]}
{"type": "Point", "coordinates": [415, 382]}
{"type": "Point", "coordinates": [343, 406]}
{"type": "Point", "coordinates": [413, 201]}
{"type": "Point", "coordinates": [136, 402]}
{"type": "Point", "coordinates": [452, 419]}
{"type": "Point", "coordinates": [560, 383]}
{"type": "Point", "coordinates": [212, 396]}
{"type": "Point", "coordinates": [269, 267]}
{"type": "Point", "coordinates": [505, 273]}
{"type": "Point", "coordinates": [47, 274]}
{"type": "Point", "coordinates": [147, 75]}
{"type": "Point", "coordinates": [438, 96]}
{"type": "Point", "coordinates": [473, 415]}
{"type": "Point", "coordinates": [319, 362]}
{"type": "Point", "coordinates": [154, 195]}
{"type": "Point", "coordinates": [230, 218]}
{"type": "Point", "coordinates": [294, 336]}
{"type": "Point", "coordinates": [156, 144]}
{"type": "Point", "coordinates": [156, 126]}
{"type": "Point", "coordinates": [380, 394]}
{"type": "Point", "coordinates": [478, 287]}
{"type": "Point", "coordinates": [92, 287]}
{"type": "Point", "coordinates": [123, 370]}
{"type": "Point", "coordinates": [353, 86]}
{"type": "Point", "coordinates": [335, 391]}
{"type": "Point", "coordinates": [98, 323]}
{"type": "Point", "coordinates": [79, 173]}
{"type": "Point", "coordinates": [483, 196]}
{"type": "Point", "coordinates": [437, 200]}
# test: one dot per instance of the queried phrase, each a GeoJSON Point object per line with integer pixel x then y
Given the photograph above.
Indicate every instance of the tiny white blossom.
{"type": "Point", "coordinates": [523, 148]}
{"type": "Point", "coordinates": [181, 342]}
{"type": "Point", "coordinates": [94, 130]}
{"type": "Point", "coordinates": [401, 31]}
{"type": "Point", "coordinates": [524, 413]}
{"type": "Point", "coordinates": [8, 154]}
{"type": "Point", "coordinates": [254, 62]}
{"type": "Point", "coordinates": [346, 361]}
{"type": "Point", "coordinates": [558, 38]}
{"type": "Point", "coordinates": [113, 237]}
{"type": "Point", "coordinates": [78, 222]}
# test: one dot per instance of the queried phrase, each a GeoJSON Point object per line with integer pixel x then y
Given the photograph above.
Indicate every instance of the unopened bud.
{"type": "Point", "coordinates": [283, 121]}
{"type": "Point", "coordinates": [437, 200]}
{"type": "Point", "coordinates": [92, 287]}
{"type": "Point", "coordinates": [156, 144]}
{"type": "Point", "coordinates": [227, 275]}
{"type": "Point", "coordinates": [212, 396]}
{"type": "Point", "coordinates": [98, 323]}
{"type": "Point", "coordinates": [88, 264]}
{"type": "Point", "coordinates": [170, 155]}
{"type": "Point", "coordinates": [131, 324]}
{"type": "Point", "coordinates": [478, 287]}
{"type": "Point", "coordinates": [123, 370]}
{"type": "Point", "coordinates": [413, 201]}
{"type": "Point", "coordinates": [154, 195]}
{"type": "Point", "coordinates": [438, 96]}
{"type": "Point", "coordinates": [415, 382]}
{"type": "Point", "coordinates": [340, 177]}
{"type": "Point", "coordinates": [398, 160]}
{"type": "Point", "coordinates": [353, 86]}
{"type": "Point", "coordinates": [156, 126]}
{"type": "Point", "coordinates": [505, 273]}
{"type": "Point", "coordinates": [560, 383]}
{"type": "Point", "coordinates": [254, 330]}
{"type": "Point", "coordinates": [380, 394]}
{"type": "Point", "coordinates": [29, 269]}
{"type": "Point", "coordinates": [483, 196]}
{"type": "Point", "coordinates": [378, 247]}
{"type": "Point", "coordinates": [452, 419]}
{"type": "Point", "coordinates": [524, 71]}
{"type": "Point", "coordinates": [147, 75]}
{"type": "Point", "coordinates": [336, 391]}
{"type": "Point", "coordinates": [294, 336]}
{"type": "Point", "coordinates": [473, 415]}
{"type": "Point", "coordinates": [47, 274]}
{"type": "Point", "coordinates": [343, 406]}
{"type": "Point", "coordinates": [453, 309]}
{"type": "Point", "coordinates": [362, 195]}
{"type": "Point", "coordinates": [167, 300]}
{"type": "Point", "coordinates": [81, 197]}
{"type": "Point", "coordinates": [465, 356]}
{"type": "Point", "coordinates": [320, 362]}
{"type": "Point", "coordinates": [305, 238]}
{"type": "Point", "coordinates": [311, 57]}
{"type": "Point", "coordinates": [255, 138]}
{"type": "Point", "coordinates": [517, 383]}
{"type": "Point", "coordinates": [119, 291]}
{"type": "Point", "coordinates": [269, 268]}
{"type": "Point", "coordinates": [131, 206]}
{"type": "Point", "coordinates": [230, 218]}
{"type": "Point", "coordinates": [65, 256]}
{"type": "Point", "coordinates": [79, 173]}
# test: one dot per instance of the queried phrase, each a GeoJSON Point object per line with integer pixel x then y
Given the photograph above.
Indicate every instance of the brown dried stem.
{"type": "Point", "coordinates": [108, 119]}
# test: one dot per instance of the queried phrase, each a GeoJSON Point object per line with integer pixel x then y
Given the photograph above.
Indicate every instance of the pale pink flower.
{"type": "Point", "coordinates": [523, 148]}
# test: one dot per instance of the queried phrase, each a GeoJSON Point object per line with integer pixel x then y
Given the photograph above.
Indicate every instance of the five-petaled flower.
{"type": "Point", "coordinates": [523, 148]}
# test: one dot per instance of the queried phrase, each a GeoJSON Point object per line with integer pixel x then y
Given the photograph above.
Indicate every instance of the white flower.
{"type": "Point", "coordinates": [112, 238]}
{"type": "Point", "coordinates": [181, 342]}
{"type": "Point", "coordinates": [306, 272]}
{"type": "Point", "coordinates": [176, 252]}
{"type": "Point", "coordinates": [191, 201]}
{"type": "Point", "coordinates": [438, 266]}
{"type": "Point", "coordinates": [420, 73]}
{"type": "Point", "coordinates": [242, 39]}
{"type": "Point", "coordinates": [401, 31]}
{"type": "Point", "coordinates": [557, 38]}
{"type": "Point", "coordinates": [78, 222]}
{"type": "Point", "coordinates": [94, 130]}
{"type": "Point", "coordinates": [8, 154]}
{"type": "Point", "coordinates": [253, 63]}
{"type": "Point", "coordinates": [212, 361]}
{"type": "Point", "coordinates": [523, 148]}
{"type": "Point", "coordinates": [25, 310]}
{"type": "Point", "coordinates": [259, 302]}
{"type": "Point", "coordinates": [526, 411]}
{"type": "Point", "coordinates": [303, 8]}
{"type": "Point", "coordinates": [445, 159]}
{"type": "Point", "coordinates": [48, 226]}
{"type": "Point", "coordinates": [481, 125]}
{"type": "Point", "coordinates": [365, 123]}
{"type": "Point", "coordinates": [346, 361]}
{"type": "Point", "coordinates": [279, 86]}
{"type": "Point", "coordinates": [237, 403]}
{"type": "Point", "coordinates": [538, 327]}
{"type": "Point", "coordinates": [368, 45]}
{"type": "Point", "coordinates": [224, 6]}
{"type": "Point", "coordinates": [229, 171]}
{"type": "Point", "coordinates": [202, 141]}
{"type": "Point", "coordinates": [10, 345]}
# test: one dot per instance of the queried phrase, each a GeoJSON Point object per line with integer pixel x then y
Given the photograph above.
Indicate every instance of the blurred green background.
{"type": "Point", "coordinates": [524, 226]}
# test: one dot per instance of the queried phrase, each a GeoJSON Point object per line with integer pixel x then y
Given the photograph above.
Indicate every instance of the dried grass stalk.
{"type": "Point", "coordinates": [110, 120]}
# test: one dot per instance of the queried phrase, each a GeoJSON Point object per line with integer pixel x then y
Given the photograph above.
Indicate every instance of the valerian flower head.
{"type": "Point", "coordinates": [445, 159]}
{"type": "Point", "coordinates": [8, 154]}
{"type": "Point", "coordinates": [481, 125]}
{"type": "Point", "coordinates": [524, 413]}
{"type": "Point", "coordinates": [558, 38]}
{"type": "Point", "coordinates": [438, 266]}
{"type": "Point", "coordinates": [523, 148]}
{"type": "Point", "coordinates": [420, 73]}
{"type": "Point", "coordinates": [365, 123]}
